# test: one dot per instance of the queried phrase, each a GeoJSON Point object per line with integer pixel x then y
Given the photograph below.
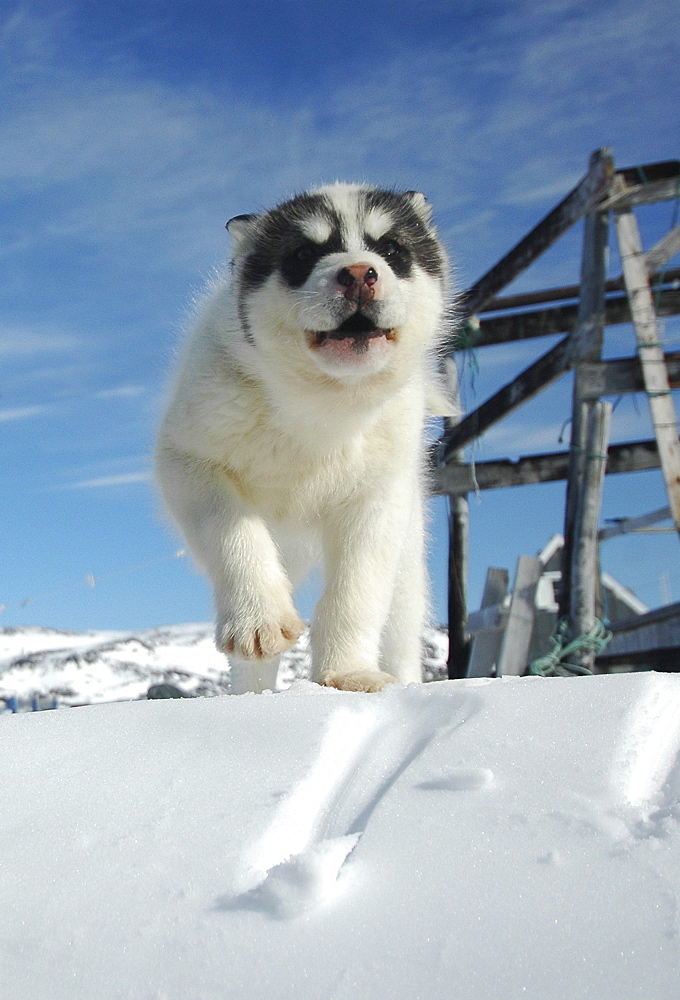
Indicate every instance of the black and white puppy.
{"type": "Point", "coordinates": [294, 433]}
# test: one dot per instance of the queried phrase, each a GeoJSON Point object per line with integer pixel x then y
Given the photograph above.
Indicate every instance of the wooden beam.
{"type": "Point", "coordinates": [642, 194]}
{"type": "Point", "coordinates": [530, 382]}
{"type": "Point", "coordinates": [649, 173]}
{"type": "Point", "coordinates": [652, 358]}
{"type": "Point", "coordinates": [585, 572]}
{"type": "Point", "coordinates": [663, 251]}
{"type": "Point", "coordinates": [654, 259]}
{"type": "Point", "coordinates": [459, 638]}
{"type": "Point", "coordinates": [455, 479]}
{"type": "Point", "coordinates": [622, 375]}
{"type": "Point", "coordinates": [585, 346]}
{"type": "Point", "coordinates": [513, 658]}
{"type": "Point", "coordinates": [587, 193]}
{"type": "Point", "coordinates": [559, 320]}
{"type": "Point", "coordinates": [627, 525]}
{"type": "Point", "coordinates": [495, 586]}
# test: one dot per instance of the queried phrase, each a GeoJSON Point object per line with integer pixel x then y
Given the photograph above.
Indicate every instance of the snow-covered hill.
{"type": "Point", "coordinates": [465, 839]}
{"type": "Point", "coordinates": [77, 668]}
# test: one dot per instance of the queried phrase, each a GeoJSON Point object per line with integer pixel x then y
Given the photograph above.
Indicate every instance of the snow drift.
{"type": "Point", "coordinates": [462, 839]}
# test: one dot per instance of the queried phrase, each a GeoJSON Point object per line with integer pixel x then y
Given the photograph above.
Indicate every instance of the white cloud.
{"type": "Point", "coordinates": [105, 482]}
{"type": "Point", "coordinates": [26, 342]}
{"type": "Point", "coordinates": [120, 392]}
{"type": "Point", "coordinates": [22, 413]}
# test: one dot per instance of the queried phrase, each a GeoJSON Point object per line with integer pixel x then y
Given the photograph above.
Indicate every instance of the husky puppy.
{"type": "Point", "coordinates": [294, 433]}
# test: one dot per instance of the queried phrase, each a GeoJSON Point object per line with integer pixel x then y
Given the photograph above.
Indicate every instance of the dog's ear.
{"type": "Point", "coordinates": [240, 226]}
{"type": "Point", "coordinates": [420, 203]}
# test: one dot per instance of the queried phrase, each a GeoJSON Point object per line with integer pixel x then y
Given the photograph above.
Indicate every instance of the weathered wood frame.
{"type": "Point", "coordinates": [597, 302]}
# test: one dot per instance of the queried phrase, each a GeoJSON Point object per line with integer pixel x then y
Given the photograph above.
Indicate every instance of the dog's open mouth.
{"type": "Point", "coordinates": [354, 334]}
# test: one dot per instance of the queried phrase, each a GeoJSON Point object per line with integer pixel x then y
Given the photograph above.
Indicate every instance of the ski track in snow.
{"type": "Point", "coordinates": [295, 865]}
{"type": "Point", "coordinates": [647, 766]}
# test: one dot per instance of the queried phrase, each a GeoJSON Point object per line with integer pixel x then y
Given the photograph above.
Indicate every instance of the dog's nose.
{"type": "Point", "coordinates": [358, 281]}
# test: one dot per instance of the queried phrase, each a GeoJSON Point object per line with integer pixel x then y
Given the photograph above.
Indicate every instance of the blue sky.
{"type": "Point", "coordinates": [132, 132]}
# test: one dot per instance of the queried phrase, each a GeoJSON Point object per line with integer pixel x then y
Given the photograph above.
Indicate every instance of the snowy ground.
{"type": "Point", "coordinates": [464, 839]}
{"type": "Point", "coordinates": [77, 668]}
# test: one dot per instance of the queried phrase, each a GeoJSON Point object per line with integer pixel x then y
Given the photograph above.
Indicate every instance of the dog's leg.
{"type": "Point", "coordinates": [401, 646]}
{"type": "Point", "coordinates": [256, 619]}
{"type": "Point", "coordinates": [257, 676]}
{"type": "Point", "coordinates": [362, 550]}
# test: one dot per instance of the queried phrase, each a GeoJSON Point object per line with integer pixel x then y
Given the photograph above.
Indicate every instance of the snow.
{"type": "Point", "coordinates": [472, 839]}
{"type": "Point", "coordinates": [77, 668]}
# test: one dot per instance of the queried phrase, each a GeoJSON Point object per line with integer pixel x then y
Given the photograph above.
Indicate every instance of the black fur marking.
{"type": "Point", "coordinates": [417, 242]}
{"type": "Point", "coordinates": [280, 243]}
{"type": "Point", "coordinates": [299, 263]}
{"type": "Point", "coordinates": [393, 252]}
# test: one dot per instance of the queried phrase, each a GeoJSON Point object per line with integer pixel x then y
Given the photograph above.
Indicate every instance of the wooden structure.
{"type": "Point", "coordinates": [580, 313]}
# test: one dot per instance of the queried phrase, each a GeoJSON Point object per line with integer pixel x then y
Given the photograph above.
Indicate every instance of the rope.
{"type": "Point", "coordinates": [555, 663]}
{"type": "Point", "coordinates": [468, 335]}
{"type": "Point", "coordinates": [467, 338]}
{"type": "Point", "coordinates": [595, 455]}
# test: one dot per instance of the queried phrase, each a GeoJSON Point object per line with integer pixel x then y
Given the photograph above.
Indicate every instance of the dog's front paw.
{"type": "Point", "coordinates": [261, 640]}
{"type": "Point", "coordinates": [357, 680]}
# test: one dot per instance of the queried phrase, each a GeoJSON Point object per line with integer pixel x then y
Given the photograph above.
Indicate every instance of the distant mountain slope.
{"type": "Point", "coordinates": [86, 667]}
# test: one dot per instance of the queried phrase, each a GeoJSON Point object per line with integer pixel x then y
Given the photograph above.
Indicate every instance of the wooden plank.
{"type": "Point", "coordinates": [459, 528]}
{"type": "Point", "coordinates": [513, 658]}
{"type": "Point", "coordinates": [654, 259]}
{"type": "Point", "coordinates": [560, 319]}
{"type": "Point", "coordinates": [459, 639]}
{"type": "Point", "coordinates": [661, 252]}
{"type": "Point", "coordinates": [657, 386]}
{"type": "Point", "coordinates": [584, 576]}
{"type": "Point", "coordinates": [622, 375]}
{"type": "Point", "coordinates": [495, 586]}
{"type": "Point", "coordinates": [626, 525]}
{"type": "Point", "coordinates": [530, 382]}
{"type": "Point", "coordinates": [590, 190]}
{"type": "Point", "coordinates": [586, 346]}
{"type": "Point", "coordinates": [658, 629]}
{"type": "Point", "coordinates": [484, 652]}
{"type": "Point", "coordinates": [649, 173]}
{"type": "Point", "coordinates": [642, 194]}
{"type": "Point", "coordinates": [453, 479]}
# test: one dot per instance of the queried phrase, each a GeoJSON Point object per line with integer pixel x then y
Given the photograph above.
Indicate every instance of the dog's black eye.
{"type": "Point", "coordinates": [304, 252]}
{"type": "Point", "coordinates": [298, 263]}
{"type": "Point", "coordinates": [389, 249]}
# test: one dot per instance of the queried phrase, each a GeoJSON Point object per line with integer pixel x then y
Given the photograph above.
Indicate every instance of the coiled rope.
{"type": "Point", "coordinates": [556, 662]}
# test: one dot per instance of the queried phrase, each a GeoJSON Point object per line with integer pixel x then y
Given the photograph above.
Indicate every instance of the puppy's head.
{"type": "Point", "coordinates": [350, 279]}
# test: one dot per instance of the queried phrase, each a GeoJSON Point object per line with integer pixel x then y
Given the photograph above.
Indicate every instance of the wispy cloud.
{"type": "Point", "coordinates": [22, 413]}
{"type": "Point", "coordinates": [120, 392]}
{"type": "Point", "coordinates": [106, 482]}
{"type": "Point", "coordinates": [25, 342]}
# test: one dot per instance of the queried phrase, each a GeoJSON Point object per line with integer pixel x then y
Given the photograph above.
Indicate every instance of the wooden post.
{"type": "Point", "coordinates": [516, 642]}
{"type": "Point", "coordinates": [586, 341]}
{"type": "Point", "coordinates": [651, 355]}
{"type": "Point", "coordinates": [584, 575]}
{"type": "Point", "coordinates": [459, 639]}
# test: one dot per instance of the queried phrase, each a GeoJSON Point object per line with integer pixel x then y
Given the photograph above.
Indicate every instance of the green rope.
{"type": "Point", "coordinates": [468, 335]}
{"type": "Point", "coordinates": [467, 338]}
{"type": "Point", "coordinates": [555, 663]}
{"type": "Point", "coordinates": [595, 455]}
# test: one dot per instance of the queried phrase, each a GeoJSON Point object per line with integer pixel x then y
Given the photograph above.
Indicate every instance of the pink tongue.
{"type": "Point", "coordinates": [345, 348]}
